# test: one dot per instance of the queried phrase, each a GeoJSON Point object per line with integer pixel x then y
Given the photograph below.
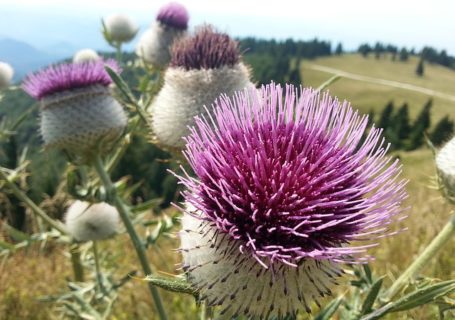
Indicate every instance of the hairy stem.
{"type": "Point", "coordinates": [137, 243]}
{"type": "Point", "coordinates": [429, 253]}
{"type": "Point", "coordinates": [78, 269]}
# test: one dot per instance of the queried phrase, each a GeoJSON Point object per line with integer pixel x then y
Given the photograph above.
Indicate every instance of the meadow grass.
{"type": "Point", "coordinates": [367, 96]}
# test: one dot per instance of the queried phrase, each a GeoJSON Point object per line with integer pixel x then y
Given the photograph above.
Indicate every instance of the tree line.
{"type": "Point", "coordinates": [404, 134]}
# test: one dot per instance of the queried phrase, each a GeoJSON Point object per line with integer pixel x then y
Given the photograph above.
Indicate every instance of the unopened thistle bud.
{"type": "Point", "coordinates": [445, 163]}
{"type": "Point", "coordinates": [6, 75]}
{"type": "Point", "coordinates": [286, 188]}
{"type": "Point", "coordinates": [202, 67]}
{"type": "Point", "coordinates": [86, 55]}
{"type": "Point", "coordinates": [91, 221]}
{"type": "Point", "coordinates": [171, 24]}
{"type": "Point", "coordinates": [120, 28]}
{"type": "Point", "coordinates": [78, 112]}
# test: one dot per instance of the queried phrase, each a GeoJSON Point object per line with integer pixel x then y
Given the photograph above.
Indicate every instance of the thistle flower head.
{"type": "Point", "coordinates": [173, 15]}
{"type": "Point", "coordinates": [78, 112]}
{"type": "Point", "coordinates": [86, 55]}
{"type": "Point", "coordinates": [68, 76]}
{"type": "Point", "coordinates": [286, 189]}
{"type": "Point", "coordinates": [6, 75]}
{"type": "Point", "coordinates": [91, 221]}
{"type": "Point", "coordinates": [206, 49]}
{"type": "Point", "coordinates": [445, 163]}
{"type": "Point", "coordinates": [120, 28]}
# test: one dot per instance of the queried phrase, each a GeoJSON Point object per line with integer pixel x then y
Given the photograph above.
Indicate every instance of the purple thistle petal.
{"type": "Point", "coordinates": [174, 15]}
{"type": "Point", "coordinates": [206, 49]}
{"type": "Point", "coordinates": [68, 76]}
{"type": "Point", "coordinates": [289, 176]}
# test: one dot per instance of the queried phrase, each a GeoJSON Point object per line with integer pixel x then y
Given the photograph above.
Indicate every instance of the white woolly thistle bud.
{"type": "Point", "coordinates": [171, 24]}
{"type": "Point", "coordinates": [89, 222]}
{"type": "Point", "coordinates": [445, 163]}
{"type": "Point", "coordinates": [6, 75]}
{"type": "Point", "coordinates": [120, 28]}
{"type": "Point", "coordinates": [78, 112]}
{"type": "Point", "coordinates": [86, 55]}
{"type": "Point", "coordinates": [202, 68]}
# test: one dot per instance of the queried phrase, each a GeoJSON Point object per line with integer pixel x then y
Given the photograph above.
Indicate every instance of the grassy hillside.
{"type": "Point", "coordinates": [366, 96]}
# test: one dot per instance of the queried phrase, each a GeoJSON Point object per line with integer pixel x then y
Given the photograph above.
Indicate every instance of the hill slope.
{"type": "Point", "coordinates": [367, 95]}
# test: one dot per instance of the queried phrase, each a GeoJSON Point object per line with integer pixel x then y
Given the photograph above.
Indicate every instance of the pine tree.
{"type": "Point", "coordinates": [404, 55]}
{"type": "Point", "coordinates": [420, 68]}
{"type": "Point", "coordinates": [339, 49]}
{"type": "Point", "coordinates": [386, 115]}
{"type": "Point", "coordinates": [420, 125]}
{"type": "Point", "coordinates": [442, 132]}
{"type": "Point", "coordinates": [401, 122]}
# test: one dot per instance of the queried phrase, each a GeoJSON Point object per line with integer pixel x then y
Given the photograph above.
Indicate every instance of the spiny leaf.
{"type": "Point", "coordinates": [329, 310]}
{"type": "Point", "coordinates": [371, 297]}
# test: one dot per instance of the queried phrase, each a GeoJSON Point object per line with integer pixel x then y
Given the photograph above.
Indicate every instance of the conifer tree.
{"type": "Point", "coordinates": [442, 132]}
{"type": "Point", "coordinates": [420, 125]}
{"type": "Point", "coordinates": [420, 68]}
{"type": "Point", "coordinates": [404, 55]}
{"type": "Point", "coordinates": [386, 116]}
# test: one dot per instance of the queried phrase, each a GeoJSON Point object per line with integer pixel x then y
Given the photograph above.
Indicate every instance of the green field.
{"type": "Point", "coordinates": [368, 96]}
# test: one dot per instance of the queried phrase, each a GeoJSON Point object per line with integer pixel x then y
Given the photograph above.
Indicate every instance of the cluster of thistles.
{"type": "Point", "coordinates": [288, 184]}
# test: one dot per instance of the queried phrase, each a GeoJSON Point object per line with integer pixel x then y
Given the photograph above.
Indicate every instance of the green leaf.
{"type": "Point", "coordinates": [424, 295]}
{"type": "Point", "coordinates": [121, 85]}
{"type": "Point", "coordinates": [147, 205]}
{"type": "Point", "coordinates": [7, 246]}
{"type": "Point", "coordinates": [172, 284]}
{"type": "Point", "coordinates": [329, 82]}
{"type": "Point", "coordinates": [371, 297]}
{"type": "Point", "coordinates": [16, 234]}
{"type": "Point", "coordinates": [414, 299]}
{"type": "Point", "coordinates": [367, 270]}
{"type": "Point", "coordinates": [329, 310]}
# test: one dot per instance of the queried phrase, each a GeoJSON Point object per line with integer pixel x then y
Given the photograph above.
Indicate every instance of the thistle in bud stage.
{"type": "Point", "coordinates": [202, 67]}
{"type": "Point", "coordinates": [86, 55]}
{"type": "Point", "coordinates": [6, 75]}
{"type": "Point", "coordinates": [119, 28]}
{"type": "Point", "coordinates": [285, 192]}
{"type": "Point", "coordinates": [445, 163]}
{"type": "Point", "coordinates": [171, 24]}
{"type": "Point", "coordinates": [90, 222]}
{"type": "Point", "coordinates": [77, 111]}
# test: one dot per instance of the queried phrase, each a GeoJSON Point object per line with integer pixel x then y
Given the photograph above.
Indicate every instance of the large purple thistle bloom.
{"type": "Point", "coordinates": [68, 76]}
{"type": "Point", "coordinates": [290, 176]}
{"type": "Point", "coordinates": [174, 15]}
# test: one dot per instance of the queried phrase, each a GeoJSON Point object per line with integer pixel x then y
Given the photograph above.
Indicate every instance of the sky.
{"type": "Point", "coordinates": [47, 23]}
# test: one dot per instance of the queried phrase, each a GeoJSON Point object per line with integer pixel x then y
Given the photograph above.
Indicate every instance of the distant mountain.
{"type": "Point", "coordinates": [25, 58]}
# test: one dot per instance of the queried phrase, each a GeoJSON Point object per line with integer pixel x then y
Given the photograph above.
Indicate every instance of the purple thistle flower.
{"type": "Point", "coordinates": [286, 189]}
{"type": "Point", "coordinates": [174, 15]}
{"type": "Point", "coordinates": [207, 49]}
{"type": "Point", "coordinates": [68, 76]}
{"type": "Point", "coordinates": [77, 111]}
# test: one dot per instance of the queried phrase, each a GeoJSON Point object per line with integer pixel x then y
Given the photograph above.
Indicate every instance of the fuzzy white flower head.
{"type": "Point", "coordinates": [202, 68]}
{"type": "Point", "coordinates": [171, 24]}
{"type": "Point", "coordinates": [154, 44]}
{"type": "Point", "coordinates": [445, 162]}
{"type": "Point", "coordinates": [89, 222]}
{"type": "Point", "coordinates": [6, 75]}
{"type": "Point", "coordinates": [120, 28]}
{"type": "Point", "coordinates": [85, 55]}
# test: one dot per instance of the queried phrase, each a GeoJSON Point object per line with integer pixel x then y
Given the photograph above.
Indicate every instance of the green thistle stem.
{"type": "Point", "coordinates": [97, 267]}
{"type": "Point", "coordinates": [138, 244]}
{"type": "Point", "coordinates": [78, 269]}
{"type": "Point", "coordinates": [429, 253]}
{"type": "Point", "coordinates": [29, 202]}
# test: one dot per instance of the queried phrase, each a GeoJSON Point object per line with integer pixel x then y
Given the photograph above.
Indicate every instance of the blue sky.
{"type": "Point", "coordinates": [48, 22]}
